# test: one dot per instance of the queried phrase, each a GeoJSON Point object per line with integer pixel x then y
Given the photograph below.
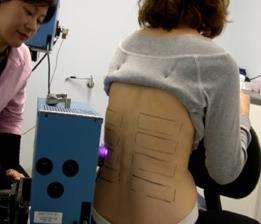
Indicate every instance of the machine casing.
{"type": "Point", "coordinates": [64, 137]}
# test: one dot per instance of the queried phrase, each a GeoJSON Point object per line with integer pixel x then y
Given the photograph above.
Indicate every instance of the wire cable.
{"type": "Point", "coordinates": [258, 76]}
{"type": "Point", "coordinates": [43, 57]}
{"type": "Point", "coordinates": [49, 74]}
{"type": "Point", "coordinates": [56, 60]}
{"type": "Point", "coordinates": [28, 130]}
{"type": "Point", "coordinates": [39, 62]}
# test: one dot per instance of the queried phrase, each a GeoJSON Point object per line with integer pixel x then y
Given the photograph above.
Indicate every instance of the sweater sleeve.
{"type": "Point", "coordinates": [11, 115]}
{"type": "Point", "coordinates": [18, 73]}
{"type": "Point", "coordinates": [227, 134]}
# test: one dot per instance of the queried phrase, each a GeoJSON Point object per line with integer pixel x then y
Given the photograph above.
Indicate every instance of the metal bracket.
{"type": "Point", "coordinates": [53, 99]}
{"type": "Point", "coordinates": [89, 83]}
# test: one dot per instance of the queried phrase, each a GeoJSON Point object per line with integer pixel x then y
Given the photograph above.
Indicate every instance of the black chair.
{"type": "Point", "coordinates": [240, 188]}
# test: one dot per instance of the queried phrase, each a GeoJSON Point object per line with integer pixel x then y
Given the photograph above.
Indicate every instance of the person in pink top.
{"type": "Point", "coordinates": [19, 20]}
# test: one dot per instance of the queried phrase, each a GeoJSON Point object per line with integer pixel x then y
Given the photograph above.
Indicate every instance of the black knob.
{"type": "Point", "coordinates": [70, 168]}
{"type": "Point", "coordinates": [44, 166]}
{"type": "Point", "coordinates": [55, 190]}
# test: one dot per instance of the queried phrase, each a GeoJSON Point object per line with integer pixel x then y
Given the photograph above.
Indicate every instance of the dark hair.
{"type": "Point", "coordinates": [206, 16]}
{"type": "Point", "coordinates": [52, 4]}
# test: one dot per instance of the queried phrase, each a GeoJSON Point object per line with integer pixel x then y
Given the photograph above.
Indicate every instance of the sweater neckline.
{"type": "Point", "coordinates": [144, 35]}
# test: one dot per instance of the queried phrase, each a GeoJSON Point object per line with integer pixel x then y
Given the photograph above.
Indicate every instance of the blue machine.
{"type": "Point", "coordinates": [43, 39]}
{"type": "Point", "coordinates": [64, 163]}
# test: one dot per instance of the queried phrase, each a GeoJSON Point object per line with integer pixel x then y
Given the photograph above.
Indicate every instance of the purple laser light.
{"type": "Point", "coordinates": [103, 152]}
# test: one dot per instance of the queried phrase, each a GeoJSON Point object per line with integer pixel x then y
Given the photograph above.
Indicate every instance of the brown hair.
{"type": "Point", "coordinates": [206, 16]}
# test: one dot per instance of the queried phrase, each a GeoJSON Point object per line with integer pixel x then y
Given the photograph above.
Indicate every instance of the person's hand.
{"type": "Point", "coordinates": [14, 174]}
{"type": "Point", "coordinates": [244, 103]}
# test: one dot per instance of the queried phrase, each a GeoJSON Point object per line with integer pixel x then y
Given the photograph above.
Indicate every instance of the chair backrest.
{"type": "Point", "coordinates": [241, 187]}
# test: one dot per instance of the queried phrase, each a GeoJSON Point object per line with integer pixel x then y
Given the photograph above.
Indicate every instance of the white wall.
{"type": "Point", "coordinates": [242, 38]}
{"type": "Point", "coordinates": [243, 34]}
{"type": "Point", "coordinates": [95, 29]}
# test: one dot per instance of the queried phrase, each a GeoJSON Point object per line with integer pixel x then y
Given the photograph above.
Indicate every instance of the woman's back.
{"type": "Point", "coordinates": [150, 134]}
{"type": "Point", "coordinates": [145, 178]}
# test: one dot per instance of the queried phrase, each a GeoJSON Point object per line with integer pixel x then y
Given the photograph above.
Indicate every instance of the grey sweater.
{"type": "Point", "coordinates": [205, 79]}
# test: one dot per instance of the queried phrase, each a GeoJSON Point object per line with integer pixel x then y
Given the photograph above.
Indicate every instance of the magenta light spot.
{"type": "Point", "coordinates": [103, 151]}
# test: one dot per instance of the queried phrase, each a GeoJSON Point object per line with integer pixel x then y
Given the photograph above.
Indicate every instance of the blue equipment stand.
{"type": "Point", "coordinates": [64, 163]}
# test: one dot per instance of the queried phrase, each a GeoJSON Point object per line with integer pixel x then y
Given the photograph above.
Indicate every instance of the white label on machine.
{"type": "Point", "coordinates": [48, 217]}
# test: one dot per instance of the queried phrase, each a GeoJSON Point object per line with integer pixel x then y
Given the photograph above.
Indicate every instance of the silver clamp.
{"type": "Point", "coordinates": [54, 99]}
